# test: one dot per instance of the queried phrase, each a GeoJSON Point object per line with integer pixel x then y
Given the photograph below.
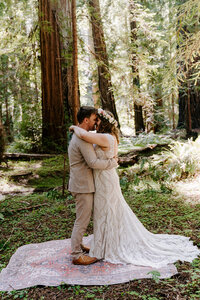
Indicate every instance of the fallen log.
{"type": "Point", "coordinates": [27, 156]}
{"type": "Point", "coordinates": [131, 157]}
{"type": "Point", "coordinates": [20, 175]}
{"type": "Point", "coordinates": [128, 160]}
{"type": "Point", "coordinates": [28, 207]}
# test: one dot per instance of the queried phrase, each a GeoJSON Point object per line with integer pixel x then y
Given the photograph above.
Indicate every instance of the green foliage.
{"type": "Point", "coordinates": [151, 138]}
{"type": "Point", "coordinates": [158, 171]}
{"type": "Point", "coordinates": [1, 216]}
{"type": "Point", "coordinates": [188, 36]}
{"type": "Point", "coordinates": [155, 275]}
{"type": "Point", "coordinates": [20, 100]}
{"type": "Point", "coordinates": [50, 216]}
{"type": "Point", "coordinates": [143, 140]}
{"type": "Point", "coordinates": [182, 160]}
{"type": "Point", "coordinates": [24, 145]}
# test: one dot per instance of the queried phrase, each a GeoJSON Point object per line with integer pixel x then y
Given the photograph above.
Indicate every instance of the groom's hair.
{"type": "Point", "coordinates": [85, 112]}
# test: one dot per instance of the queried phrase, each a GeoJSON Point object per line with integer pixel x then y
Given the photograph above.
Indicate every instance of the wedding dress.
{"type": "Point", "coordinates": [119, 237]}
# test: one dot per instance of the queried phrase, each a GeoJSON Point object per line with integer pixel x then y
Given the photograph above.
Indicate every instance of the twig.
{"type": "Point", "coordinates": [7, 239]}
{"type": "Point", "coordinates": [39, 225]}
{"type": "Point", "coordinates": [29, 207]}
{"type": "Point", "coordinates": [64, 175]}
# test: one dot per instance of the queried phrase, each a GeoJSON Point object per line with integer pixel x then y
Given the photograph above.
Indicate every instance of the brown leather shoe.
{"type": "Point", "coordinates": [85, 248]}
{"type": "Point", "coordinates": [84, 260]}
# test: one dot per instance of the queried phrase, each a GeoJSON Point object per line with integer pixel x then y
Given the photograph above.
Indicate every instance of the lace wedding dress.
{"type": "Point", "coordinates": [119, 237]}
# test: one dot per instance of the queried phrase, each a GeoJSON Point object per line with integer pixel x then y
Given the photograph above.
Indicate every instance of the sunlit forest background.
{"type": "Point", "coordinates": [138, 59]}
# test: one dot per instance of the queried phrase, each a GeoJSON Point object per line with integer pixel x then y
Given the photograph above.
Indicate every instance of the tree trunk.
{"type": "Point", "coordinates": [189, 121]}
{"type": "Point", "coordinates": [189, 109]}
{"type": "Point", "coordinates": [139, 123]}
{"type": "Point", "coordinates": [5, 94]}
{"type": "Point", "coordinates": [66, 24]}
{"type": "Point", "coordinates": [181, 118]}
{"type": "Point", "coordinates": [53, 131]}
{"type": "Point", "coordinates": [104, 76]}
{"type": "Point", "coordinates": [7, 124]}
{"type": "Point", "coordinates": [189, 97]}
{"type": "Point", "coordinates": [75, 64]}
{"type": "Point", "coordinates": [2, 142]}
{"type": "Point", "coordinates": [173, 112]}
{"type": "Point", "coordinates": [94, 72]}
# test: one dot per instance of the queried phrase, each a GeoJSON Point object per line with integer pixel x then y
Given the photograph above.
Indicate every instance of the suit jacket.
{"type": "Point", "coordinates": [82, 159]}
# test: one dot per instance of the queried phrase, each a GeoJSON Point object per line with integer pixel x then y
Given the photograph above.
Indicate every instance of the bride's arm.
{"type": "Point", "coordinates": [91, 137]}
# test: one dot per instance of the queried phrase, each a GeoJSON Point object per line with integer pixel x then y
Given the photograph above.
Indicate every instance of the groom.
{"type": "Point", "coordinates": [82, 159]}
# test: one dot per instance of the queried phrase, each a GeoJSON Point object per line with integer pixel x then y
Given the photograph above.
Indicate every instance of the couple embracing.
{"type": "Point", "coordinates": [119, 236]}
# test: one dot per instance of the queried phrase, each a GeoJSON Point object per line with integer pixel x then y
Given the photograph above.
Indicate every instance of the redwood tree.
{"type": "Point", "coordinates": [53, 131]}
{"type": "Point", "coordinates": [4, 87]}
{"type": "Point", "coordinates": [189, 108]}
{"type": "Point", "coordinates": [189, 95]}
{"type": "Point", "coordinates": [76, 102]}
{"type": "Point", "coordinates": [66, 17]}
{"type": "Point", "coordinates": [104, 76]}
{"type": "Point", "coordinates": [2, 141]}
{"type": "Point", "coordinates": [139, 123]}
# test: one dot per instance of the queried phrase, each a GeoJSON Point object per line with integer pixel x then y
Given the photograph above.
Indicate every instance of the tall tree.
{"type": "Point", "coordinates": [66, 18]}
{"type": "Point", "coordinates": [2, 141]}
{"type": "Point", "coordinates": [139, 123]}
{"type": "Point", "coordinates": [104, 76]}
{"type": "Point", "coordinates": [189, 107]}
{"type": "Point", "coordinates": [4, 61]}
{"type": "Point", "coordinates": [76, 102]}
{"type": "Point", "coordinates": [53, 130]}
{"type": "Point", "coordinates": [189, 96]}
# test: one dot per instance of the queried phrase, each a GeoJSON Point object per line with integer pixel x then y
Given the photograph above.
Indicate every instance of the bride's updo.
{"type": "Point", "coordinates": [108, 123]}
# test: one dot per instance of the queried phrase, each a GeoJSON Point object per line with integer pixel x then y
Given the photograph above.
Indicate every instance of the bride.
{"type": "Point", "coordinates": [119, 237]}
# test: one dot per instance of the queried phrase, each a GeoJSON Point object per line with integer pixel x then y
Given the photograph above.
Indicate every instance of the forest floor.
{"type": "Point", "coordinates": [33, 210]}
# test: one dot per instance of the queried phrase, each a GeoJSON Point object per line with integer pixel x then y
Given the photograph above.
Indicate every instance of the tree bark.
{"type": "Point", "coordinates": [7, 124]}
{"type": "Point", "coordinates": [189, 109]}
{"type": "Point", "coordinates": [5, 94]}
{"type": "Point", "coordinates": [173, 112]}
{"type": "Point", "coordinates": [75, 64]}
{"type": "Point", "coordinates": [53, 131]}
{"type": "Point", "coordinates": [104, 76]}
{"type": "Point", "coordinates": [66, 23]}
{"type": "Point", "coordinates": [2, 142]}
{"type": "Point", "coordinates": [189, 120]}
{"type": "Point", "coordinates": [181, 118]}
{"type": "Point", "coordinates": [189, 96]}
{"type": "Point", "coordinates": [139, 123]}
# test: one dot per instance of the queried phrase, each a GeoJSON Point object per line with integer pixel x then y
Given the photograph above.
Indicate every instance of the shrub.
{"type": "Point", "coordinates": [181, 160]}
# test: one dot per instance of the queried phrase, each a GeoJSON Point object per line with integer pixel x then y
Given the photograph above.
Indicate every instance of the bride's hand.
{"type": "Point", "coordinates": [77, 130]}
{"type": "Point", "coordinates": [71, 128]}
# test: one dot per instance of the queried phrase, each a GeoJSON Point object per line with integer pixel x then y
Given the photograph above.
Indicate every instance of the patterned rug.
{"type": "Point", "coordinates": [50, 264]}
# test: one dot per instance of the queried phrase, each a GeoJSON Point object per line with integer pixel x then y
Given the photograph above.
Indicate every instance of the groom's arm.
{"type": "Point", "coordinates": [91, 159]}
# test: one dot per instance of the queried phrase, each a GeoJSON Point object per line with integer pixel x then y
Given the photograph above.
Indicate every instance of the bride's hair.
{"type": "Point", "coordinates": [106, 127]}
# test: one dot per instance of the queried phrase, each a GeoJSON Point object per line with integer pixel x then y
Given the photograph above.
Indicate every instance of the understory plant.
{"type": "Point", "coordinates": [180, 161]}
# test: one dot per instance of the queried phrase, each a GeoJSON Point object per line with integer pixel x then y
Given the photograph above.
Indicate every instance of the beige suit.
{"type": "Point", "coordinates": [82, 159]}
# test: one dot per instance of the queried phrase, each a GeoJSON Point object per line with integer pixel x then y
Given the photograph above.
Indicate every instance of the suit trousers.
{"type": "Point", "coordinates": [84, 206]}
